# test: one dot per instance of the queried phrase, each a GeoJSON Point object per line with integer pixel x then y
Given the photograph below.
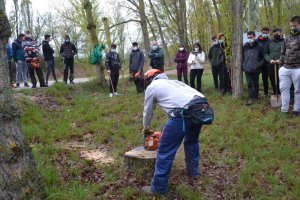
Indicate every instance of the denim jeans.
{"type": "Point", "coordinates": [171, 138]}
{"type": "Point", "coordinates": [21, 69]}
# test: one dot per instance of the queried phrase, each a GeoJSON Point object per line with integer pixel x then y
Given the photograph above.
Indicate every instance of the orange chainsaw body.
{"type": "Point", "coordinates": [151, 141]}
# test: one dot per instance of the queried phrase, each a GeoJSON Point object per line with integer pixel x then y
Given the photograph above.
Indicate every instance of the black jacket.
{"type": "Point", "coordinates": [136, 61]}
{"type": "Point", "coordinates": [216, 55]}
{"type": "Point", "coordinates": [47, 51]}
{"type": "Point", "coordinates": [253, 57]}
{"type": "Point", "coordinates": [113, 61]}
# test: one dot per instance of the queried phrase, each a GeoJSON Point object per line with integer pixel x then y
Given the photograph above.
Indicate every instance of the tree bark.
{"type": "Point", "coordinates": [181, 22]}
{"type": "Point", "coordinates": [91, 27]}
{"type": "Point", "coordinates": [19, 178]}
{"type": "Point", "coordinates": [218, 16]}
{"type": "Point", "coordinates": [236, 48]}
{"type": "Point", "coordinates": [161, 34]}
{"type": "Point", "coordinates": [141, 9]}
{"type": "Point", "coordinates": [17, 16]}
{"type": "Point", "coordinates": [209, 19]}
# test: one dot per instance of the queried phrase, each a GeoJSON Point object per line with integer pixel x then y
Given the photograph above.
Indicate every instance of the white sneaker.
{"type": "Point", "coordinates": [111, 95]}
{"type": "Point", "coordinates": [116, 94]}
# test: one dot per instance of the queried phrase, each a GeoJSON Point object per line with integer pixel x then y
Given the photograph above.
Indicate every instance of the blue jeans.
{"type": "Point", "coordinates": [171, 139]}
{"type": "Point", "coordinates": [21, 69]}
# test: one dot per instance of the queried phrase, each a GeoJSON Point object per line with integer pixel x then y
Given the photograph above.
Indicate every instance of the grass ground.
{"type": "Point", "coordinates": [247, 153]}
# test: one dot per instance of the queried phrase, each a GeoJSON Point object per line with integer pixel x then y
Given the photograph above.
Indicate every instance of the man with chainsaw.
{"type": "Point", "coordinates": [187, 110]}
{"type": "Point", "coordinates": [32, 59]}
{"type": "Point", "coordinates": [289, 73]}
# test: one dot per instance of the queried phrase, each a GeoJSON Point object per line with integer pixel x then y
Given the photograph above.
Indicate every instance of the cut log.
{"type": "Point", "coordinates": [140, 161]}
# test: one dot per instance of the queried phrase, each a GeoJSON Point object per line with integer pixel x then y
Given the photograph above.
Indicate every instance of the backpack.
{"type": "Point", "coordinates": [96, 54]}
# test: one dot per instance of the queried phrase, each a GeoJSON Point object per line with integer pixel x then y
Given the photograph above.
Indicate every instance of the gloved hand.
{"type": "Point", "coordinates": [146, 131]}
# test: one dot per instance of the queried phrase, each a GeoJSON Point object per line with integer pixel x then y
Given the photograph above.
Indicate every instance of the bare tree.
{"type": "Point", "coordinates": [161, 34]}
{"type": "Point", "coordinates": [236, 48]}
{"type": "Point", "coordinates": [218, 15]}
{"type": "Point", "coordinates": [209, 19]}
{"type": "Point", "coordinates": [91, 27]}
{"type": "Point", "coordinates": [18, 176]}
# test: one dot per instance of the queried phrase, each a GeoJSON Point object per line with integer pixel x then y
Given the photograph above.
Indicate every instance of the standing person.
{"type": "Point", "coordinates": [272, 53]}
{"type": "Point", "coordinates": [11, 67]}
{"type": "Point", "coordinates": [253, 60]}
{"type": "Point", "coordinates": [196, 59]}
{"type": "Point", "coordinates": [20, 60]}
{"type": "Point", "coordinates": [264, 40]}
{"type": "Point", "coordinates": [49, 58]}
{"type": "Point", "coordinates": [181, 60]}
{"type": "Point", "coordinates": [32, 59]}
{"type": "Point", "coordinates": [113, 66]}
{"type": "Point", "coordinates": [172, 96]}
{"type": "Point", "coordinates": [67, 51]}
{"type": "Point", "coordinates": [136, 65]}
{"type": "Point", "coordinates": [157, 57]}
{"type": "Point", "coordinates": [216, 57]}
{"type": "Point", "coordinates": [290, 71]}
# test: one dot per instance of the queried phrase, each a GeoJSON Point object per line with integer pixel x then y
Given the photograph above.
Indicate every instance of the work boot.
{"type": "Point", "coordinates": [250, 102]}
{"type": "Point", "coordinates": [33, 86]}
{"type": "Point", "coordinates": [147, 190]}
{"type": "Point", "coordinates": [295, 114]}
{"type": "Point", "coordinates": [18, 85]}
{"type": "Point", "coordinates": [26, 85]}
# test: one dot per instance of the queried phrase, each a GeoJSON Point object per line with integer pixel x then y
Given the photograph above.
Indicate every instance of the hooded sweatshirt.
{"type": "Point", "coordinates": [168, 94]}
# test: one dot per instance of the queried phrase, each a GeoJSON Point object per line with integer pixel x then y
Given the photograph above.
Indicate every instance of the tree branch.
{"type": "Point", "coordinates": [124, 22]}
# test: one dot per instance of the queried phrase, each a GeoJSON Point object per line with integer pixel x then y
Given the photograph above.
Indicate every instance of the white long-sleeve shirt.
{"type": "Point", "coordinates": [198, 59]}
{"type": "Point", "coordinates": [168, 94]}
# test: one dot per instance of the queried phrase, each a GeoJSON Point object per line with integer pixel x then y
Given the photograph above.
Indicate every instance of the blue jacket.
{"type": "Point", "coordinates": [9, 51]}
{"type": "Point", "coordinates": [18, 51]}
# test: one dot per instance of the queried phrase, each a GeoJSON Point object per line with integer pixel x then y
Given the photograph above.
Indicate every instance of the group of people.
{"type": "Point", "coordinates": [25, 53]}
{"type": "Point", "coordinates": [264, 55]}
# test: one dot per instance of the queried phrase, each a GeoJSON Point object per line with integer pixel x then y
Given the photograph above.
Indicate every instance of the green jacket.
{"type": "Point", "coordinates": [216, 55]}
{"type": "Point", "coordinates": [273, 50]}
{"type": "Point", "coordinates": [157, 58]}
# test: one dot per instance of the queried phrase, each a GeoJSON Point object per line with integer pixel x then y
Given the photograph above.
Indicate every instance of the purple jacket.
{"type": "Point", "coordinates": [181, 59]}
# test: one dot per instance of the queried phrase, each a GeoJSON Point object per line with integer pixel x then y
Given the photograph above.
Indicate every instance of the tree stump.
{"type": "Point", "coordinates": [139, 160]}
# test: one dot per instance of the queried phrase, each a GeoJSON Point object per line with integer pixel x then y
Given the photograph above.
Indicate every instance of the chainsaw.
{"type": "Point", "coordinates": [151, 140]}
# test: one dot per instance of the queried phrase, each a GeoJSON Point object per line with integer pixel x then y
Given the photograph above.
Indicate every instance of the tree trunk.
{"type": "Point", "coordinates": [141, 9]}
{"type": "Point", "coordinates": [220, 29]}
{"type": "Point", "coordinates": [17, 16]}
{"type": "Point", "coordinates": [161, 34]}
{"type": "Point", "coordinates": [236, 48]}
{"type": "Point", "coordinates": [19, 178]}
{"type": "Point", "coordinates": [209, 19]}
{"type": "Point", "coordinates": [151, 29]}
{"type": "Point", "coordinates": [91, 27]}
{"type": "Point", "coordinates": [107, 31]}
{"type": "Point", "coordinates": [181, 22]}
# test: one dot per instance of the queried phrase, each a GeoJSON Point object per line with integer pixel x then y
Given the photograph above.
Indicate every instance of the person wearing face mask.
{"type": "Point", "coordinates": [32, 59]}
{"type": "Point", "coordinates": [49, 58]}
{"type": "Point", "coordinates": [181, 60]}
{"type": "Point", "coordinates": [113, 66]}
{"type": "Point", "coordinates": [216, 57]}
{"type": "Point", "coordinates": [196, 60]}
{"type": "Point", "coordinates": [272, 53]}
{"type": "Point", "coordinates": [136, 66]}
{"type": "Point", "coordinates": [157, 57]}
{"type": "Point", "coordinates": [289, 73]}
{"type": "Point", "coordinates": [67, 51]}
{"type": "Point", "coordinates": [264, 40]}
{"type": "Point", "coordinates": [252, 61]}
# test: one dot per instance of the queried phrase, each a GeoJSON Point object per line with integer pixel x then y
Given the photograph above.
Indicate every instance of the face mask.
{"type": "Point", "coordinates": [196, 49]}
{"type": "Point", "coordinates": [135, 48]}
{"type": "Point", "coordinates": [154, 47]}
{"type": "Point", "coordinates": [181, 49]}
{"type": "Point", "coordinates": [277, 37]}
{"type": "Point", "coordinates": [294, 30]}
{"type": "Point", "coordinates": [221, 41]}
{"type": "Point", "coordinates": [113, 50]}
{"type": "Point", "coordinates": [67, 41]}
{"type": "Point", "coordinates": [265, 35]}
{"type": "Point", "coordinates": [250, 41]}
{"type": "Point", "coordinates": [28, 36]}
{"type": "Point", "coordinates": [215, 42]}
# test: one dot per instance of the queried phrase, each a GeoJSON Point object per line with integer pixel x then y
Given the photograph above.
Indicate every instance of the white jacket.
{"type": "Point", "coordinates": [168, 94]}
{"type": "Point", "coordinates": [198, 60]}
